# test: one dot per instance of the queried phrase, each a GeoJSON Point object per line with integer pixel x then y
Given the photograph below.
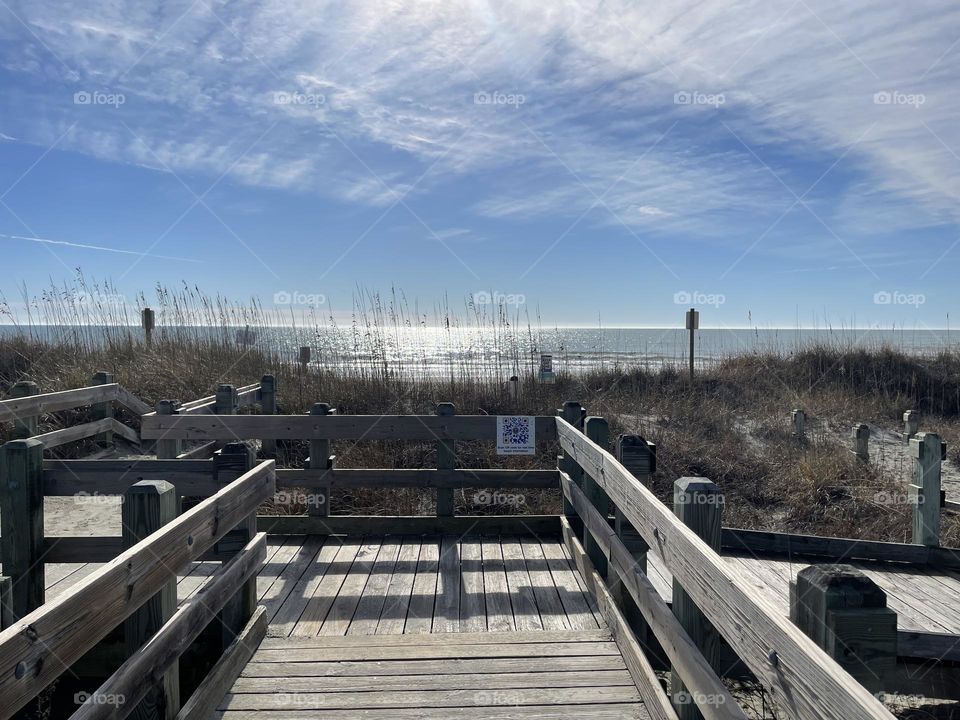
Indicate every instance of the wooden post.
{"type": "Point", "coordinates": [26, 426]}
{"type": "Point", "coordinates": [167, 449]}
{"type": "Point", "coordinates": [799, 418]}
{"type": "Point", "coordinates": [846, 614]}
{"type": "Point", "coordinates": [268, 406]}
{"type": "Point", "coordinates": [7, 618]}
{"type": "Point", "coordinates": [698, 503]}
{"type": "Point", "coordinates": [861, 441]}
{"type": "Point", "coordinates": [304, 356]}
{"type": "Point", "coordinates": [147, 506]}
{"type": "Point", "coordinates": [104, 409]}
{"type": "Point", "coordinates": [693, 324]}
{"type": "Point", "coordinates": [228, 464]}
{"type": "Point", "coordinates": [226, 402]}
{"type": "Point", "coordinates": [21, 516]}
{"type": "Point", "coordinates": [320, 458]}
{"type": "Point", "coordinates": [928, 452]}
{"type": "Point", "coordinates": [572, 412]}
{"type": "Point", "coordinates": [597, 430]}
{"type": "Point", "coordinates": [638, 455]}
{"type": "Point", "coordinates": [911, 424]}
{"type": "Point", "coordinates": [446, 460]}
{"type": "Point", "coordinates": [147, 319]}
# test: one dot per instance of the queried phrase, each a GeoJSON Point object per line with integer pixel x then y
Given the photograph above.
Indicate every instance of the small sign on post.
{"type": "Point", "coordinates": [693, 324]}
{"type": "Point", "coordinates": [516, 435]}
{"type": "Point", "coordinates": [546, 368]}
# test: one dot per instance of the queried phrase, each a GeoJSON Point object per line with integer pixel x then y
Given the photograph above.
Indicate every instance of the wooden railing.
{"type": "Point", "coordinates": [802, 680]}
{"type": "Point", "coordinates": [27, 404]}
{"type": "Point", "coordinates": [136, 587]}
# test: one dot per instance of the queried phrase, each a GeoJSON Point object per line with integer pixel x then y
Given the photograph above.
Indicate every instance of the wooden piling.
{"type": "Point", "coordinates": [698, 503]}
{"type": "Point", "coordinates": [860, 435]}
{"type": "Point", "coordinates": [226, 401]}
{"type": "Point", "coordinates": [446, 460]}
{"type": "Point", "coordinates": [911, 424]}
{"type": "Point", "coordinates": [104, 409]}
{"type": "Point", "coordinates": [846, 614]}
{"type": "Point", "coordinates": [147, 506]}
{"type": "Point", "coordinates": [26, 426]}
{"type": "Point", "coordinates": [21, 516]}
{"type": "Point", "coordinates": [799, 421]}
{"type": "Point", "coordinates": [148, 321]}
{"type": "Point", "coordinates": [928, 452]}
{"type": "Point", "coordinates": [572, 412]}
{"type": "Point", "coordinates": [320, 458]}
{"type": "Point", "coordinates": [167, 449]}
{"type": "Point", "coordinates": [597, 429]}
{"type": "Point", "coordinates": [268, 406]}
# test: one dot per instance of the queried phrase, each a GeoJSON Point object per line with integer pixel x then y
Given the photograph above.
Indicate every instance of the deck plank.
{"type": "Point", "coordinates": [367, 615]}
{"type": "Point", "coordinates": [473, 604]}
{"type": "Point", "coordinates": [326, 591]}
{"type": "Point", "coordinates": [395, 603]}
{"type": "Point", "coordinates": [424, 594]}
{"type": "Point", "coordinates": [446, 613]}
{"type": "Point", "coordinates": [526, 616]}
{"type": "Point", "coordinates": [496, 590]}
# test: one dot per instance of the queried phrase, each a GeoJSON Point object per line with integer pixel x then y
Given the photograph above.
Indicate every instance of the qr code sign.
{"type": "Point", "coordinates": [515, 435]}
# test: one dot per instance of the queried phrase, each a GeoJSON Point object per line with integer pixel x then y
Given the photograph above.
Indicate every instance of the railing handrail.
{"type": "Point", "coordinates": [802, 679]}
{"type": "Point", "coordinates": [40, 646]}
{"type": "Point", "coordinates": [28, 405]}
{"type": "Point", "coordinates": [332, 427]}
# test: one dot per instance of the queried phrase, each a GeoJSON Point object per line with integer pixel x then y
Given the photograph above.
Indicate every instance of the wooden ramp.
{"type": "Point", "coordinates": [547, 674]}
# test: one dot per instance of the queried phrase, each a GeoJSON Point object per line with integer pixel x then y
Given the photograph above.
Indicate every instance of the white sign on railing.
{"type": "Point", "coordinates": [516, 435]}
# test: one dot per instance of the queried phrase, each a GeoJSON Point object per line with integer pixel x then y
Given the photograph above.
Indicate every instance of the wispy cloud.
{"type": "Point", "coordinates": [99, 248]}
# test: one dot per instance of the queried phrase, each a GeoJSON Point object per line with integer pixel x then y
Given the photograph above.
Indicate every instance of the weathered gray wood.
{"type": "Point", "coordinates": [206, 450]}
{"type": "Point", "coordinates": [226, 402]}
{"type": "Point", "coordinates": [31, 403]}
{"type": "Point", "coordinates": [166, 447]}
{"type": "Point", "coordinates": [81, 549]}
{"type": "Point", "coordinates": [526, 615]}
{"type": "Point", "coordinates": [656, 701]}
{"type": "Point", "coordinates": [173, 639]}
{"type": "Point", "coordinates": [57, 438]}
{"type": "Point", "coordinates": [911, 424]}
{"type": "Point", "coordinates": [131, 402]}
{"type": "Point", "coordinates": [927, 450]}
{"type": "Point", "coordinates": [24, 413]}
{"type": "Point", "coordinates": [113, 477]}
{"type": "Point", "coordinates": [364, 622]}
{"type": "Point", "coordinates": [296, 654]}
{"type": "Point", "coordinates": [424, 592]}
{"type": "Point", "coordinates": [589, 711]}
{"type": "Point", "coordinates": [571, 412]}
{"type": "Point", "coordinates": [41, 645]}
{"type": "Point", "coordinates": [6, 602]}
{"type": "Point", "coordinates": [803, 681]}
{"type": "Point", "coordinates": [446, 460]}
{"type": "Point", "coordinates": [393, 616]}
{"type": "Point", "coordinates": [128, 434]}
{"type": "Point", "coordinates": [638, 455]}
{"type": "Point", "coordinates": [541, 525]}
{"type": "Point", "coordinates": [698, 504]}
{"type": "Point", "coordinates": [149, 505]}
{"type": "Point", "coordinates": [860, 436]}
{"type": "Point", "coordinates": [21, 515]}
{"type": "Point", "coordinates": [928, 645]}
{"type": "Point", "coordinates": [268, 406]}
{"type": "Point", "coordinates": [320, 459]}
{"type": "Point", "coordinates": [473, 604]}
{"type": "Point", "coordinates": [520, 637]}
{"type": "Point", "coordinates": [846, 614]}
{"type": "Point", "coordinates": [215, 685]}
{"type": "Point", "coordinates": [688, 662]}
{"type": "Point", "coordinates": [427, 478]}
{"type": "Point", "coordinates": [148, 322]}
{"type": "Point", "coordinates": [103, 410]}
{"type": "Point", "coordinates": [186, 425]}
{"type": "Point", "coordinates": [798, 420]}
{"type": "Point", "coordinates": [597, 429]}
{"type": "Point", "coordinates": [325, 593]}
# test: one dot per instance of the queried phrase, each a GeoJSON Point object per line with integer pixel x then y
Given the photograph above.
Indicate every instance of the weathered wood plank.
{"type": "Point", "coordinates": [552, 614]}
{"type": "Point", "coordinates": [112, 477]}
{"type": "Point", "coordinates": [348, 595]}
{"type": "Point", "coordinates": [189, 426]}
{"type": "Point", "coordinates": [473, 604]}
{"type": "Point", "coordinates": [296, 654]}
{"type": "Point", "coordinates": [44, 643]}
{"type": "Point", "coordinates": [612, 711]}
{"type": "Point", "coordinates": [45, 403]}
{"type": "Point", "coordinates": [291, 609]}
{"type": "Point", "coordinates": [424, 593]}
{"type": "Point", "coordinates": [368, 611]}
{"type": "Point", "coordinates": [802, 680]}
{"type": "Point", "coordinates": [526, 616]}
{"type": "Point", "coordinates": [325, 593]}
{"type": "Point", "coordinates": [495, 589]}
{"type": "Point", "coordinates": [56, 438]}
{"type": "Point", "coordinates": [465, 638]}
{"type": "Point", "coordinates": [540, 525]}
{"type": "Point", "coordinates": [427, 478]}
{"type": "Point", "coordinates": [579, 614]}
{"type": "Point", "coordinates": [446, 614]}
{"type": "Point", "coordinates": [393, 616]}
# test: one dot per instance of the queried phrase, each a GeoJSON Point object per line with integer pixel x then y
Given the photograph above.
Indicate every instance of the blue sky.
{"type": "Point", "coordinates": [608, 160]}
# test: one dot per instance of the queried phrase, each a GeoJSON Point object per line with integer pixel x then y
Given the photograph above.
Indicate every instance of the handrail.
{"type": "Point", "coordinates": [29, 405]}
{"type": "Point", "coordinates": [44, 643]}
{"type": "Point", "coordinates": [56, 438]}
{"type": "Point", "coordinates": [332, 427]}
{"type": "Point", "coordinates": [804, 682]}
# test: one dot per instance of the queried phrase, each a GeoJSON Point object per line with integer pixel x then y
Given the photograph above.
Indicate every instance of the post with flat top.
{"type": "Point", "coordinates": [846, 614]}
{"type": "Point", "coordinates": [21, 516]}
{"type": "Point", "coordinates": [147, 506]}
{"type": "Point", "coordinates": [167, 449]}
{"type": "Point", "coordinates": [572, 412]}
{"type": "Point", "coordinates": [698, 503]}
{"type": "Point", "coordinates": [597, 430]}
{"type": "Point", "coordinates": [320, 459]}
{"type": "Point", "coordinates": [799, 418]}
{"type": "Point", "coordinates": [226, 401]}
{"type": "Point", "coordinates": [105, 409]}
{"type": "Point", "coordinates": [860, 435]}
{"type": "Point", "coordinates": [268, 406]}
{"type": "Point", "coordinates": [147, 319]}
{"type": "Point", "coordinates": [693, 324]}
{"type": "Point", "coordinates": [911, 424]}
{"type": "Point", "coordinates": [25, 426]}
{"type": "Point", "coordinates": [928, 453]}
{"type": "Point", "coordinates": [446, 460]}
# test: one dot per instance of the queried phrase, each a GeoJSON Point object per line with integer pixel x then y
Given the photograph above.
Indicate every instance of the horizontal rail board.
{"type": "Point", "coordinates": [465, 478]}
{"type": "Point", "coordinates": [770, 543]}
{"type": "Point", "coordinates": [331, 427]}
{"type": "Point", "coordinates": [131, 402]}
{"type": "Point", "coordinates": [128, 434]}
{"type": "Point", "coordinates": [57, 438]}
{"type": "Point", "coordinates": [43, 644]}
{"type": "Point", "coordinates": [31, 405]}
{"type": "Point", "coordinates": [538, 525]}
{"type": "Point", "coordinates": [82, 549]}
{"type": "Point", "coordinates": [803, 681]}
{"type": "Point", "coordinates": [114, 477]}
